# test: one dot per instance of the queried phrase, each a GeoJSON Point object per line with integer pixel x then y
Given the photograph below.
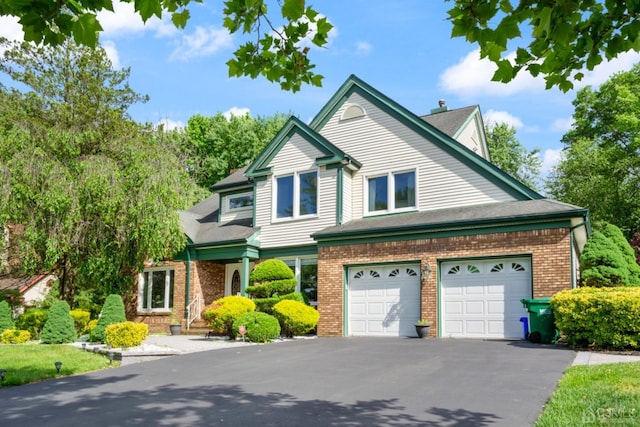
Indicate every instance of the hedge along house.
{"type": "Point", "coordinates": [386, 218]}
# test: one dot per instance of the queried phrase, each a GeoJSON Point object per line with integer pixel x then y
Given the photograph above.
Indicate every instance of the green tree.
{"type": "Point", "coordinates": [614, 234]}
{"type": "Point", "coordinates": [600, 167]}
{"type": "Point", "coordinates": [565, 37]}
{"type": "Point", "coordinates": [511, 156]}
{"type": "Point", "coordinates": [59, 327]}
{"type": "Point", "coordinates": [6, 318]}
{"type": "Point", "coordinates": [602, 263]}
{"type": "Point", "coordinates": [214, 146]}
{"type": "Point", "coordinates": [98, 194]}
{"type": "Point", "coordinates": [112, 312]}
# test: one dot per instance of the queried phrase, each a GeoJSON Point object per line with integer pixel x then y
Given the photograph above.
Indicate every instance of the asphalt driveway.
{"type": "Point", "coordinates": [321, 382]}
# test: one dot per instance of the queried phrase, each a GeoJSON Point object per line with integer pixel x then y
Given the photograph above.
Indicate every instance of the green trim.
{"type": "Point", "coordinates": [345, 301]}
{"type": "Point", "coordinates": [571, 249]}
{"type": "Point", "coordinates": [226, 253]}
{"type": "Point", "coordinates": [484, 258]}
{"type": "Point", "coordinates": [438, 231]}
{"type": "Point", "coordinates": [385, 263]}
{"type": "Point", "coordinates": [339, 195]}
{"type": "Point", "coordinates": [354, 85]}
{"type": "Point", "coordinates": [289, 251]}
{"type": "Point", "coordinates": [222, 187]}
{"type": "Point", "coordinates": [187, 288]}
{"type": "Point", "coordinates": [294, 126]}
{"type": "Point", "coordinates": [466, 122]}
{"type": "Point", "coordinates": [439, 316]}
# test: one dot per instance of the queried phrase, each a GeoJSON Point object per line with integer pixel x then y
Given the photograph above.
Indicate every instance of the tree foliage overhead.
{"type": "Point", "coordinates": [213, 146]}
{"type": "Point", "coordinates": [567, 37]}
{"type": "Point", "coordinates": [600, 168]}
{"type": "Point", "coordinates": [278, 50]}
{"type": "Point", "coordinates": [97, 193]}
{"type": "Point", "coordinates": [511, 156]}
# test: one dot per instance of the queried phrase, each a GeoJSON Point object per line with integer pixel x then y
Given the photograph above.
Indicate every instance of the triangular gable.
{"type": "Point", "coordinates": [487, 169]}
{"type": "Point", "coordinates": [331, 153]}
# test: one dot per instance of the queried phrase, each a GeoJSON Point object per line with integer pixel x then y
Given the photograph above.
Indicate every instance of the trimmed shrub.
{"type": "Point", "coordinates": [59, 328]}
{"type": "Point", "coordinates": [296, 318]}
{"type": "Point", "coordinates": [260, 327]}
{"type": "Point", "coordinates": [265, 305]}
{"type": "Point", "coordinates": [91, 325]}
{"type": "Point", "coordinates": [112, 312]}
{"type": "Point", "coordinates": [80, 320]}
{"type": "Point", "coordinates": [270, 270]}
{"type": "Point", "coordinates": [270, 282]}
{"type": "Point", "coordinates": [601, 318]}
{"type": "Point", "coordinates": [614, 234]}
{"type": "Point", "coordinates": [6, 319]}
{"type": "Point", "coordinates": [33, 320]}
{"type": "Point", "coordinates": [269, 289]}
{"type": "Point", "coordinates": [126, 334]}
{"type": "Point", "coordinates": [224, 311]}
{"type": "Point", "coordinates": [602, 263]}
{"type": "Point", "coordinates": [14, 336]}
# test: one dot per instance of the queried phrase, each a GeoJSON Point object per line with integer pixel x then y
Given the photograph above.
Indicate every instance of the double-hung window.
{"type": "Point", "coordinates": [391, 192]}
{"type": "Point", "coordinates": [296, 195]}
{"type": "Point", "coordinates": [155, 289]}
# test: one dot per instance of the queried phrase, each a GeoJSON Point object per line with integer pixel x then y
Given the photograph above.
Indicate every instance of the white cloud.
{"type": "Point", "coordinates": [169, 124]}
{"type": "Point", "coordinates": [363, 48]}
{"type": "Point", "coordinates": [112, 53]}
{"type": "Point", "coordinates": [493, 117]}
{"type": "Point", "coordinates": [550, 159]}
{"type": "Point", "coordinates": [10, 28]}
{"type": "Point", "coordinates": [471, 76]}
{"type": "Point", "coordinates": [562, 125]}
{"type": "Point", "coordinates": [124, 20]}
{"type": "Point", "coordinates": [202, 42]}
{"type": "Point", "coordinates": [235, 111]}
{"type": "Point", "coordinates": [602, 72]}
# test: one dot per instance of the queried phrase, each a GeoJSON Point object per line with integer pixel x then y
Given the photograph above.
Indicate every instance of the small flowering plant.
{"type": "Point", "coordinates": [423, 322]}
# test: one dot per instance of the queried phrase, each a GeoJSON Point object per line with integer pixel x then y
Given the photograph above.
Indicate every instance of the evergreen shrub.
{"type": "Point", "coordinates": [296, 318]}
{"type": "Point", "coordinates": [59, 328]}
{"type": "Point", "coordinates": [112, 312]}
{"type": "Point", "coordinates": [33, 320]}
{"type": "Point", "coordinates": [80, 320]}
{"type": "Point", "coordinates": [224, 311]}
{"type": "Point", "coordinates": [14, 336]}
{"type": "Point", "coordinates": [265, 305]}
{"type": "Point", "coordinates": [260, 327]}
{"type": "Point", "coordinates": [126, 334]}
{"type": "Point", "coordinates": [6, 318]}
{"type": "Point", "coordinates": [600, 318]}
{"type": "Point", "coordinates": [270, 282]}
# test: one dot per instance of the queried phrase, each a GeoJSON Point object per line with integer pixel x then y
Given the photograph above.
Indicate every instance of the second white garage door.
{"type": "Point", "coordinates": [481, 298]}
{"type": "Point", "coordinates": [383, 300]}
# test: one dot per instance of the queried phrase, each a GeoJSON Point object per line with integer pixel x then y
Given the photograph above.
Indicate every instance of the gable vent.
{"type": "Point", "coordinates": [353, 111]}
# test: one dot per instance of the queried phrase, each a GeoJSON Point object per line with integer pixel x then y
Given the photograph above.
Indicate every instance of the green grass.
{"type": "Point", "coordinates": [600, 395]}
{"type": "Point", "coordinates": [27, 363]}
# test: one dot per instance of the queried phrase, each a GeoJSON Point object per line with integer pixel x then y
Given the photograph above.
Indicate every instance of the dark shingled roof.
{"type": "Point", "coordinates": [452, 218]}
{"type": "Point", "coordinates": [200, 224]}
{"type": "Point", "coordinates": [450, 121]}
{"type": "Point", "coordinates": [237, 178]}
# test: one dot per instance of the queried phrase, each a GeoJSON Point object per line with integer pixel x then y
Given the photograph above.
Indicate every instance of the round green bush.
{"type": "Point", "coordinates": [126, 334]}
{"type": "Point", "coordinates": [6, 319]}
{"type": "Point", "coordinates": [295, 318]}
{"type": "Point", "coordinates": [265, 305]}
{"type": "Point", "coordinates": [112, 312]}
{"type": "Point", "coordinates": [80, 320]}
{"type": "Point", "coordinates": [59, 328]}
{"type": "Point", "coordinates": [33, 320]}
{"type": "Point", "coordinates": [269, 270]}
{"type": "Point", "coordinates": [260, 327]}
{"type": "Point", "coordinates": [224, 311]}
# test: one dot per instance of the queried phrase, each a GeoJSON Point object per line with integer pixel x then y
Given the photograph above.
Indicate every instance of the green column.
{"type": "Point", "coordinates": [244, 282]}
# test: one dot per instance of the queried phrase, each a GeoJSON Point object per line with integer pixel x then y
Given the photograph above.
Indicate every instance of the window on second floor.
{"type": "Point", "coordinates": [296, 195]}
{"type": "Point", "coordinates": [391, 192]}
{"type": "Point", "coordinates": [240, 201]}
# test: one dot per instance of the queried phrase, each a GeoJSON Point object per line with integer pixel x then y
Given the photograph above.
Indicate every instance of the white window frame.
{"type": "Point", "coordinates": [297, 264]}
{"type": "Point", "coordinates": [168, 305]}
{"type": "Point", "coordinates": [227, 202]}
{"type": "Point", "coordinates": [391, 185]}
{"type": "Point", "coordinates": [296, 196]}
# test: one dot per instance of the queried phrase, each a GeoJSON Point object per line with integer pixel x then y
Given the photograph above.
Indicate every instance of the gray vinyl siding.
{"type": "Point", "coordinates": [382, 144]}
{"type": "Point", "coordinates": [297, 155]}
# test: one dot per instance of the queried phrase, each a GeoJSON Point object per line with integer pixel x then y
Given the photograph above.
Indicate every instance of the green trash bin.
{"type": "Point", "coordinates": [541, 320]}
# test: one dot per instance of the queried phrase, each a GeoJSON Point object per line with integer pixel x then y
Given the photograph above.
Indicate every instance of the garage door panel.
{"type": "Point", "coordinates": [481, 298]}
{"type": "Point", "coordinates": [390, 297]}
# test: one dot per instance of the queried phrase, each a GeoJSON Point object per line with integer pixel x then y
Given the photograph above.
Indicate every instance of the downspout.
{"type": "Point", "coordinates": [187, 288]}
{"type": "Point", "coordinates": [585, 224]}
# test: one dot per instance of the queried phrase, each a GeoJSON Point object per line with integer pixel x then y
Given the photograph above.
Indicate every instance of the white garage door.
{"type": "Point", "coordinates": [481, 298]}
{"type": "Point", "coordinates": [383, 300]}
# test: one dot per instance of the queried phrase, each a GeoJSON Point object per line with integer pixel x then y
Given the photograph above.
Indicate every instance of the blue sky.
{"type": "Point", "coordinates": [403, 48]}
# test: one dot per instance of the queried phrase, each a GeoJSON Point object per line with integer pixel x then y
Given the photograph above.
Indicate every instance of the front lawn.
{"type": "Point", "coordinates": [595, 396]}
{"type": "Point", "coordinates": [27, 363]}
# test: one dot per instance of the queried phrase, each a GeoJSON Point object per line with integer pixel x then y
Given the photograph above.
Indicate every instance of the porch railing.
{"type": "Point", "coordinates": [193, 311]}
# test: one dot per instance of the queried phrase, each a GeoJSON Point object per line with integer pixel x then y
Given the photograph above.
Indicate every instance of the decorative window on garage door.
{"type": "Point", "coordinates": [411, 272]}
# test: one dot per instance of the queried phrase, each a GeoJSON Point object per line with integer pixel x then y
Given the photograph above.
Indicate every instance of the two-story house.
{"type": "Point", "coordinates": [386, 217]}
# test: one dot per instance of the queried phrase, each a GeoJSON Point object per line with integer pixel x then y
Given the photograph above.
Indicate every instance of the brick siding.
{"type": "Point", "coordinates": [549, 249]}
